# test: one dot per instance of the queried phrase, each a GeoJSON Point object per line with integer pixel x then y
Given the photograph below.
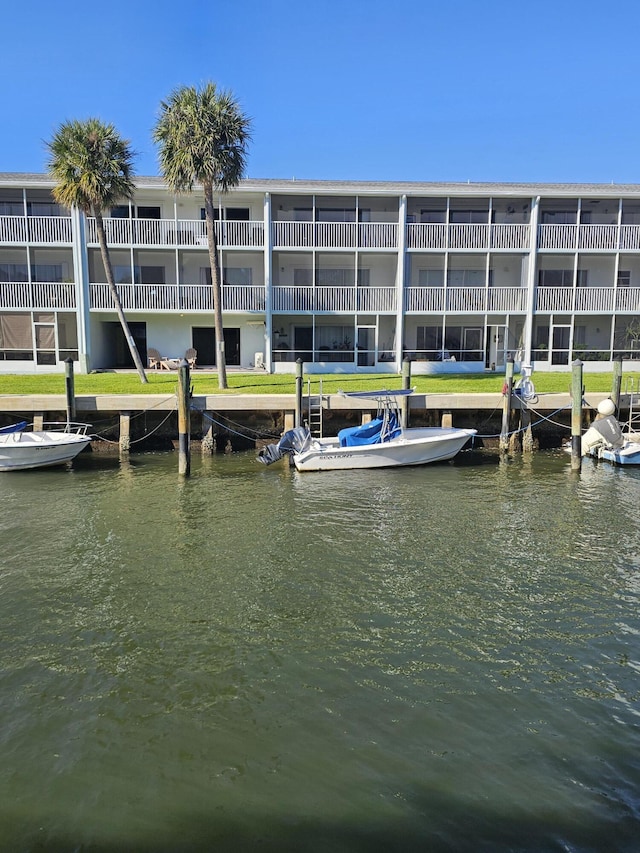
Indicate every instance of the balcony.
{"type": "Point", "coordinates": [182, 297]}
{"type": "Point", "coordinates": [335, 235]}
{"type": "Point", "coordinates": [47, 230]}
{"type": "Point", "coordinates": [370, 300]}
{"type": "Point", "coordinates": [594, 238]}
{"type": "Point", "coordinates": [588, 300]}
{"type": "Point", "coordinates": [479, 237]}
{"type": "Point", "coordinates": [181, 233]}
{"type": "Point", "coordinates": [436, 300]}
{"type": "Point", "coordinates": [41, 296]}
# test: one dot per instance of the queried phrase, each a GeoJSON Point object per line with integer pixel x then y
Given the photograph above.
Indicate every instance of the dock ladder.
{"type": "Point", "coordinates": [632, 392]}
{"type": "Point", "coordinates": [314, 410]}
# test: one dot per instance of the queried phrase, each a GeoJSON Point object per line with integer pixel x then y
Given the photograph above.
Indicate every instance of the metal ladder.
{"type": "Point", "coordinates": [314, 410]}
{"type": "Point", "coordinates": [632, 390]}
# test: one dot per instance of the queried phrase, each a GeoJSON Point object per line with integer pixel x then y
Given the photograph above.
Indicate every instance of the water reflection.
{"type": "Point", "coordinates": [437, 658]}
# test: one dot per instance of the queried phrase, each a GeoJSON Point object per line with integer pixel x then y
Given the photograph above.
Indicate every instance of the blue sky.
{"type": "Point", "coordinates": [479, 90]}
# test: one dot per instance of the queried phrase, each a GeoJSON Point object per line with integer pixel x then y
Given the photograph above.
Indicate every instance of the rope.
{"type": "Point", "coordinates": [137, 440]}
{"type": "Point", "coordinates": [246, 435]}
{"type": "Point", "coordinates": [522, 429]}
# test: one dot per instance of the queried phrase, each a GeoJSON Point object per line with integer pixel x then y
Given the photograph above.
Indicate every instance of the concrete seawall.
{"type": "Point", "coordinates": [236, 421]}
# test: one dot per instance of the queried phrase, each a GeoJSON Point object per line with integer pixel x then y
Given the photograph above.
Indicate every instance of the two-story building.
{"type": "Point", "coordinates": [345, 276]}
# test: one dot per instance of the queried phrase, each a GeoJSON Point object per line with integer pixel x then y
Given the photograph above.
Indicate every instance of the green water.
{"type": "Point", "coordinates": [442, 658]}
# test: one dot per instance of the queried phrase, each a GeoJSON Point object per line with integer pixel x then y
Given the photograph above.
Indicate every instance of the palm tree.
{"type": "Point", "coordinates": [91, 165]}
{"type": "Point", "coordinates": [202, 136]}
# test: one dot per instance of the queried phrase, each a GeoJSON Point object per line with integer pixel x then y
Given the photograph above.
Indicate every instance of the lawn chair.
{"type": "Point", "coordinates": [191, 355]}
{"type": "Point", "coordinates": [156, 361]}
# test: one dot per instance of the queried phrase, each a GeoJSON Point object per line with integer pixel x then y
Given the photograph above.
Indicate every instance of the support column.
{"type": "Point", "coordinates": [125, 432]}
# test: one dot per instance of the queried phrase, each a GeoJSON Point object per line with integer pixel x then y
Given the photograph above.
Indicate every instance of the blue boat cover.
{"type": "Point", "coordinates": [371, 433]}
{"type": "Point", "coordinates": [13, 428]}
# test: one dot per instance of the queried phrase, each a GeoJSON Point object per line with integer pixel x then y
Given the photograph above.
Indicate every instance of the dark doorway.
{"type": "Point", "coordinates": [204, 341]}
{"type": "Point", "coordinates": [117, 349]}
{"type": "Point", "coordinates": [303, 342]}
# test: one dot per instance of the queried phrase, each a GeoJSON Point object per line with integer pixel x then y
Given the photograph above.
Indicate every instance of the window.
{"type": "Point", "coordinates": [43, 208]}
{"type": "Point", "coordinates": [120, 211]}
{"type": "Point", "coordinates": [302, 277]}
{"type": "Point", "coordinates": [13, 272]}
{"type": "Point", "coordinates": [148, 212]}
{"type": "Point", "coordinates": [430, 278]}
{"type": "Point", "coordinates": [47, 272]}
{"type": "Point", "coordinates": [555, 278]}
{"type": "Point", "coordinates": [433, 215]}
{"type": "Point", "coordinates": [466, 278]}
{"type": "Point", "coordinates": [237, 275]}
{"type": "Point", "coordinates": [142, 275]}
{"type": "Point", "coordinates": [364, 277]}
{"type": "Point", "coordinates": [11, 208]}
{"type": "Point", "coordinates": [559, 217]}
{"type": "Point", "coordinates": [469, 216]}
{"type": "Point", "coordinates": [16, 342]}
{"type": "Point", "coordinates": [237, 214]}
{"type": "Point", "coordinates": [334, 278]}
{"type": "Point", "coordinates": [335, 214]}
{"type": "Point", "coordinates": [624, 278]}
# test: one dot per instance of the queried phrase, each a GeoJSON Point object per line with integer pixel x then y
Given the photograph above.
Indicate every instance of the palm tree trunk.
{"type": "Point", "coordinates": [106, 260]}
{"type": "Point", "coordinates": [212, 242]}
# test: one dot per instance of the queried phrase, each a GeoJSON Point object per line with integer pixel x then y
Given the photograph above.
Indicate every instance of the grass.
{"type": "Point", "coordinates": [264, 383]}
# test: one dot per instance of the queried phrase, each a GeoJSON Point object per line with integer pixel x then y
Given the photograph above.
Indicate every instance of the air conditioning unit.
{"type": "Point", "coordinates": [258, 359]}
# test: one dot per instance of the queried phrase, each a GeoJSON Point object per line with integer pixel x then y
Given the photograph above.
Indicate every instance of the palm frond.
{"type": "Point", "coordinates": [91, 165]}
{"type": "Point", "coordinates": [202, 135]}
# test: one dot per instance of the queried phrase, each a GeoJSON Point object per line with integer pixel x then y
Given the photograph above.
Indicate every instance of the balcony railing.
{"type": "Point", "coordinates": [37, 295]}
{"type": "Point", "coordinates": [600, 238]}
{"type": "Point", "coordinates": [588, 300]}
{"type": "Point", "coordinates": [334, 299]}
{"type": "Point", "coordinates": [183, 297]}
{"type": "Point", "coordinates": [176, 233]}
{"type": "Point", "coordinates": [54, 230]}
{"type": "Point", "coordinates": [335, 235]}
{"type": "Point", "coordinates": [480, 237]}
{"type": "Point", "coordinates": [426, 300]}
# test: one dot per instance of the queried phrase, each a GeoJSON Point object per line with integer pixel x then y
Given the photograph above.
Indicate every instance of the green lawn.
{"type": "Point", "coordinates": [264, 383]}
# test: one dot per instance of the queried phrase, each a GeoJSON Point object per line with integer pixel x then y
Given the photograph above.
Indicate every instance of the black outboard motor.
{"type": "Point", "coordinates": [293, 441]}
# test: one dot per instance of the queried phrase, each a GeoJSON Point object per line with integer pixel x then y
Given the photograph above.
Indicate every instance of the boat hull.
{"type": "Point", "coordinates": [414, 447]}
{"type": "Point", "coordinates": [628, 454]}
{"type": "Point", "coordinates": [21, 451]}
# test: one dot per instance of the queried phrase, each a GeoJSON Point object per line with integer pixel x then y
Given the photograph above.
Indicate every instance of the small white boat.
{"type": "Point", "coordinates": [22, 448]}
{"type": "Point", "coordinates": [382, 443]}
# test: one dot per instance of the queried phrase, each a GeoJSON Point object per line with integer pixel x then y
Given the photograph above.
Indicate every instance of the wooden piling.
{"type": "Point", "coordinates": [298, 413]}
{"type": "Point", "coordinates": [406, 385]}
{"type": "Point", "coordinates": [617, 382]}
{"type": "Point", "coordinates": [576, 415]}
{"type": "Point", "coordinates": [184, 419]}
{"type": "Point", "coordinates": [506, 406]}
{"type": "Point", "coordinates": [125, 432]}
{"type": "Point", "coordinates": [70, 390]}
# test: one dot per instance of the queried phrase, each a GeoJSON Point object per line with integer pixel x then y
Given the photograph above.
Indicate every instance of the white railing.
{"type": "Point", "coordinates": [35, 229]}
{"type": "Point", "coordinates": [173, 297]}
{"type": "Point", "coordinates": [558, 237]}
{"type": "Point", "coordinates": [335, 235]}
{"type": "Point", "coordinates": [175, 233]}
{"type": "Point", "coordinates": [44, 295]}
{"type": "Point", "coordinates": [236, 233]}
{"type": "Point", "coordinates": [630, 238]}
{"type": "Point", "coordinates": [628, 299]}
{"type": "Point", "coordinates": [482, 237]}
{"type": "Point", "coordinates": [601, 237]}
{"type": "Point", "coordinates": [580, 299]}
{"type": "Point", "coordinates": [338, 299]}
{"type": "Point", "coordinates": [427, 300]}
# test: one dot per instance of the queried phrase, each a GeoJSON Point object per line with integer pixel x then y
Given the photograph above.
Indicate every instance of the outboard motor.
{"type": "Point", "coordinates": [293, 441]}
{"type": "Point", "coordinates": [605, 431]}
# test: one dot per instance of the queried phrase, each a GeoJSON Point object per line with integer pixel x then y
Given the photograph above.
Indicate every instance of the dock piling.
{"type": "Point", "coordinates": [184, 419]}
{"type": "Point", "coordinates": [69, 390]}
{"type": "Point", "coordinates": [298, 418]}
{"type": "Point", "coordinates": [406, 385]}
{"type": "Point", "coordinates": [617, 382]}
{"type": "Point", "coordinates": [576, 415]}
{"type": "Point", "coordinates": [506, 410]}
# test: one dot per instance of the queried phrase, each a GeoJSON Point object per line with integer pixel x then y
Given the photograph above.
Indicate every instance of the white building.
{"type": "Point", "coordinates": [346, 276]}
